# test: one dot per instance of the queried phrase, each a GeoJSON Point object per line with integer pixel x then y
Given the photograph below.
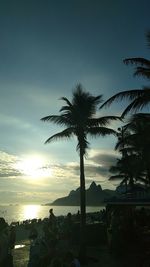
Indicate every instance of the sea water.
{"type": "Point", "coordinates": [15, 213]}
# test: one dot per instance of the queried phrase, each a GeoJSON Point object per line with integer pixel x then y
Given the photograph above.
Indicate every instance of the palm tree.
{"type": "Point", "coordinates": [139, 98]}
{"type": "Point", "coordinates": [78, 116]}
{"type": "Point", "coordinates": [139, 126]}
{"type": "Point", "coordinates": [134, 145]}
{"type": "Point", "coordinates": [128, 168]}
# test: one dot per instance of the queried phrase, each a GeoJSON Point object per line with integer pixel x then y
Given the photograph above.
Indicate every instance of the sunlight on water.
{"type": "Point", "coordinates": [31, 211]}
{"type": "Point", "coordinates": [20, 213]}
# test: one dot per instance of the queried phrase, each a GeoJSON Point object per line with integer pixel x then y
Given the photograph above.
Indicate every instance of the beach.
{"type": "Point", "coordinates": [98, 254]}
{"type": "Point", "coordinates": [22, 245]}
{"type": "Point", "coordinates": [98, 250]}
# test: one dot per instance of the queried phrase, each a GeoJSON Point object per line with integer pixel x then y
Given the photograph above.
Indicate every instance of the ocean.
{"type": "Point", "coordinates": [14, 213]}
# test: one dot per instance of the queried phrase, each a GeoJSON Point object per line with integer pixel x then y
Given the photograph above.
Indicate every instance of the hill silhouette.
{"type": "Point", "coordinates": [94, 196]}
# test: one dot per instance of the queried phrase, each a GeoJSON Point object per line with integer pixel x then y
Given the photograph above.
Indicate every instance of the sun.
{"type": "Point", "coordinates": [34, 166]}
{"type": "Point", "coordinates": [31, 211]}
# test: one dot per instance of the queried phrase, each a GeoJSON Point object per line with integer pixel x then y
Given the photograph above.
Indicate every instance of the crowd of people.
{"type": "Point", "coordinates": [52, 248]}
{"type": "Point", "coordinates": [51, 239]}
{"type": "Point", "coordinates": [48, 247]}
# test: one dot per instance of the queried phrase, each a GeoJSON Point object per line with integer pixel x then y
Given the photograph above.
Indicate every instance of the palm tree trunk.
{"type": "Point", "coordinates": [82, 252]}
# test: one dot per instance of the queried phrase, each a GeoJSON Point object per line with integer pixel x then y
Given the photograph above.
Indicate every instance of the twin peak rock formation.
{"type": "Point", "coordinates": [94, 196]}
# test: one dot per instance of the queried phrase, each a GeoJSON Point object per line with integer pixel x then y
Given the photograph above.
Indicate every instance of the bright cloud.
{"type": "Point", "coordinates": [7, 162]}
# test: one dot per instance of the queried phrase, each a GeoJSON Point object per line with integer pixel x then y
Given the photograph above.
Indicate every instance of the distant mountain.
{"type": "Point", "coordinates": [94, 196]}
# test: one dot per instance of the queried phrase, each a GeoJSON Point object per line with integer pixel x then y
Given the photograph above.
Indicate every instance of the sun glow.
{"type": "Point", "coordinates": [34, 167]}
{"type": "Point", "coordinates": [31, 211]}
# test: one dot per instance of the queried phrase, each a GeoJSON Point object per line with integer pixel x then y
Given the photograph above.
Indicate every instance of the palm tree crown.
{"type": "Point", "coordinates": [79, 118]}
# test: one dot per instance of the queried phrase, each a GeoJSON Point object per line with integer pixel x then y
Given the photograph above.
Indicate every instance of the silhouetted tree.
{"type": "Point", "coordinates": [139, 98]}
{"type": "Point", "coordinates": [79, 118]}
{"type": "Point", "coordinates": [128, 168]}
{"type": "Point", "coordinates": [134, 145]}
{"type": "Point", "coordinates": [139, 126]}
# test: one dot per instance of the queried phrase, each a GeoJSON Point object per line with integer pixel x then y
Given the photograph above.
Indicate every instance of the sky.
{"type": "Point", "coordinates": [47, 47]}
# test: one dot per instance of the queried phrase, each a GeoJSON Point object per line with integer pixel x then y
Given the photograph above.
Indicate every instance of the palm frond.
{"type": "Point", "coordinates": [137, 61]}
{"type": "Point", "coordinates": [103, 131]}
{"type": "Point", "coordinates": [97, 100]}
{"type": "Point", "coordinates": [66, 100]}
{"type": "Point", "coordinates": [129, 94]}
{"type": "Point", "coordinates": [140, 116]}
{"type": "Point", "coordinates": [102, 121]}
{"type": "Point", "coordinates": [67, 133]}
{"type": "Point", "coordinates": [57, 119]}
{"type": "Point", "coordinates": [130, 107]}
{"type": "Point", "coordinates": [138, 119]}
{"type": "Point", "coordinates": [138, 103]}
{"type": "Point", "coordinates": [66, 108]}
{"type": "Point", "coordinates": [141, 71]}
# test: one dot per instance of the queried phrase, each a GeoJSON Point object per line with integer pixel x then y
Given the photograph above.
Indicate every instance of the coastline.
{"type": "Point", "coordinates": [23, 228]}
{"type": "Point", "coordinates": [22, 213]}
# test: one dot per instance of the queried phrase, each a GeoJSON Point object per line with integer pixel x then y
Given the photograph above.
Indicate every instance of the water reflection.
{"type": "Point", "coordinates": [15, 213]}
{"type": "Point", "coordinates": [31, 211]}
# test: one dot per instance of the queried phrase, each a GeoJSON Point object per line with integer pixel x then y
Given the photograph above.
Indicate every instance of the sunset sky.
{"type": "Point", "coordinates": [46, 48]}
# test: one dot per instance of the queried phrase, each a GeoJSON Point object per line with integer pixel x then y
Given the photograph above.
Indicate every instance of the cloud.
{"type": "Point", "coordinates": [99, 162]}
{"type": "Point", "coordinates": [7, 162]}
{"type": "Point", "coordinates": [96, 169]}
{"type": "Point", "coordinates": [62, 179]}
{"type": "Point", "coordinates": [106, 159]}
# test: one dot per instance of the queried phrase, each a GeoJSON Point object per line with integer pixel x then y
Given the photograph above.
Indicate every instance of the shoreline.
{"type": "Point", "coordinates": [22, 213]}
{"type": "Point", "coordinates": [23, 228]}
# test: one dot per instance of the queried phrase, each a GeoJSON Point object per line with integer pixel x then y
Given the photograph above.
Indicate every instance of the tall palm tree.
{"type": "Point", "coordinates": [139, 98]}
{"type": "Point", "coordinates": [78, 116]}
